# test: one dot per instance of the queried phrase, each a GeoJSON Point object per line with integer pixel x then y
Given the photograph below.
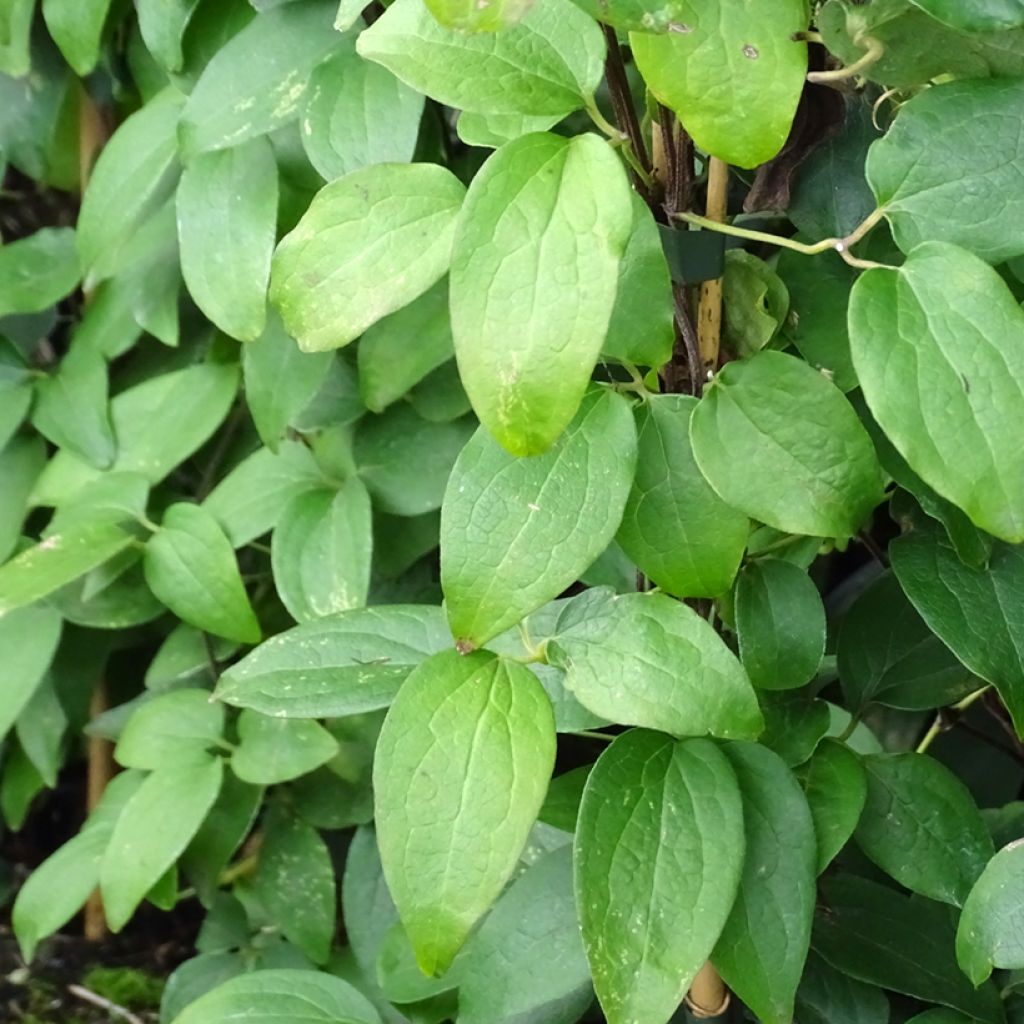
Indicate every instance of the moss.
{"type": "Point", "coordinates": [125, 986]}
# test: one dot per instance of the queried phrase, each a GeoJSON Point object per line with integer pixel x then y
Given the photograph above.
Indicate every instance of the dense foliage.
{"type": "Point", "coordinates": [533, 490]}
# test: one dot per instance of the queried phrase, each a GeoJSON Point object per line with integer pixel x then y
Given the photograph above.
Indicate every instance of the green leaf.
{"type": "Point", "coordinates": [191, 568]}
{"type": "Point", "coordinates": [227, 226]}
{"type": "Point", "coordinates": [794, 723]}
{"type": "Point", "coordinates": [162, 24]}
{"type": "Point", "coordinates": [256, 82]}
{"type": "Point", "coordinates": [836, 788]}
{"type": "Point", "coordinates": [273, 750]}
{"type": "Point", "coordinates": [28, 638]}
{"type": "Point", "coordinates": [365, 900]}
{"type": "Point", "coordinates": [76, 27]}
{"type": "Point", "coordinates": [41, 727]}
{"type": "Point", "coordinates": [493, 130]}
{"type": "Point", "coordinates": [903, 943]}
{"type": "Point", "coordinates": [764, 943]}
{"type": "Point", "coordinates": [989, 933]}
{"type": "Point", "coordinates": [15, 33]}
{"type": "Point", "coordinates": [388, 229]}
{"type": "Point", "coordinates": [155, 826]}
{"type": "Point", "coordinates": [939, 1014]}
{"type": "Point", "coordinates": [400, 977]}
{"type": "Point", "coordinates": [975, 15]}
{"type": "Point", "coordinates": [778, 441]}
{"type": "Point", "coordinates": [975, 612]}
{"type": "Point", "coordinates": [345, 665]}
{"type": "Point", "coordinates": [945, 170]}
{"type": "Point", "coordinates": [535, 264]}
{"type": "Point", "coordinates": [469, 16]}
{"type": "Point", "coordinates": [731, 73]}
{"type": "Point", "coordinates": [321, 552]}
{"type": "Point", "coordinates": [826, 996]}
{"type": "Point", "coordinates": [136, 171]}
{"type": "Point", "coordinates": [282, 996]}
{"type": "Point", "coordinates": [405, 461]}
{"type": "Point", "coordinates": [957, 351]}
{"type": "Point", "coordinates": [461, 809]}
{"type": "Point", "coordinates": [388, 366]}
{"type": "Point", "coordinates": [59, 559]}
{"type": "Point", "coordinates": [644, 659]}
{"type": "Point", "coordinates": [295, 882]}
{"type": "Point", "coordinates": [756, 303]}
{"type": "Point", "coordinates": [71, 408]}
{"type": "Point", "coordinates": [921, 826]}
{"type": "Point", "coordinates": [888, 655]}
{"type": "Point", "coordinates": [780, 624]}
{"type": "Point", "coordinates": [549, 63]}
{"type": "Point", "coordinates": [37, 271]}
{"type": "Point", "coordinates": [658, 856]}
{"type": "Point", "coordinates": [358, 114]}
{"type": "Point", "coordinates": [21, 461]}
{"type": "Point", "coordinates": [173, 729]}
{"type": "Point", "coordinates": [532, 932]}
{"type": "Point", "coordinates": [20, 785]}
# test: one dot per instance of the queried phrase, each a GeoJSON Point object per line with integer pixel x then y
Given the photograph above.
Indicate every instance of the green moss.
{"type": "Point", "coordinates": [125, 986]}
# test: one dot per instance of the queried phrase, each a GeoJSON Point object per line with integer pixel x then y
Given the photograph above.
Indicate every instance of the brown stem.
{"type": "Point", "coordinates": [679, 162]}
{"type": "Point", "coordinates": [709, 318]}
{"type": "Point", "coordinates": [622, 107]}
{"type": "Point", "coordinates": [686, 353]}
{"type": "Point", "coordinates": [100, 772]}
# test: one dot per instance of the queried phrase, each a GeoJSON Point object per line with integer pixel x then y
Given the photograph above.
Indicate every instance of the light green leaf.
{"type": "Point", "coordinates": [989, 934]}
{"type": "Point", "coordinates": [295, 882]}
{"type": "Point", "coordinates": [921, 826]}
{"type": "Point", "coordinates": [764, 943]}
{"type": "Point", "coordinates": [645, 659]}
{"type": "Point", "coordinates": [173, 729]}
{"type": "Point", "coordinates": [15, 34]}
{"type": "Point", "coordinates": [59, 559]}
{"type": "Point", "coordinates": [388, 365]}
{"type": "Point", "coordinates": [778, 441]}
{"type": "Point", "coordinates": [400, 977]}
{"type": "Point", "coordinates": [836, 788]}
{"type": "Point", "coordinates": [549, 63]}
{"type": "Point", "coordinates": [21, 461]}
{"type": "Point", "coordinates": [227, 226]}
{"type": "Point", "coordinates": [493, 130]}
{"type": "Point", "coordinates": [28, 638]}
{"type": "Point", "coordinates": [388, 229]}
{"type": "Point", "coordinates": [191, 568]}
{"type": "Point", "coordinates": [155, 826]}
{"type": "Point", "coordinates": [958, 352]}
{"type": "Point", "coordinates": [273, 750]}
{"type": "Point", "coordinates": [183, 656]}
{"type": "Point", "coordinates": [535, 266]}
{"type": "Point", "coordinates": [946, 169]}
{"type": "Point", "coordinates": [358, 114]}
{"type": "Point", "coordinates": [37, 271]}
{"type": "Point", "coordinates": [41, 727]}
{"type": "Point", "coordinates": [975, 15]}
{"type": "Point", "coordinates": [516, 532]}
{"type": "Point", "coordinates": [658, 856]}
{"type": "Point", "coordinates": [780, 624]}
{"type": "Point", "coordinates": [732, 73]}
{"type": "Point", "coordinates": [136, 171]}
{"type": "Point", "coordinates": [282, 996]}
{"type": "Point", "coordinates": [458, 810]}
{"type": "Point", "coordinates": [470, 16]}
{"type": "Point", "coordinates": [345, 665]}
{"type": "Point", "coordinates": [71, 408]}
{"type": "Point", "coordinates": [256, 82]}
{"type": "Point", "coordinates": [162, 24]}
{"type": "Point", "coordinates": [756, 303]}
{"type": "Point", "coordinates": [405, 461]}
{"type": "Point", "coordinates": [76, 27]}
{"type": "Point", "coordinates": [321, 552]}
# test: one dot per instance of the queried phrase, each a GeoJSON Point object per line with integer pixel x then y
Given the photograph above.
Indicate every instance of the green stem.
{"type": "Point", "coordinates": [940, 725]}
{"type": "Point", "coordinates": [591, 735]}
{"type": "Point", "coordinates": [759, 236]}
{"type": "Point", "coordinates": [871, 55]}
{"type": "Point", "coordinates": [603, 123]}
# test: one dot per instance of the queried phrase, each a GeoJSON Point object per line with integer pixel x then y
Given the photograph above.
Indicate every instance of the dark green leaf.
{"type": "Point", "coordinates": [975, 15]}
{"type": "Point", "coordinates": [37, 271]}
{"type": "Point", "coordinates": [827, 996]}
{"type": "Point", "coordinates": [836, 787]}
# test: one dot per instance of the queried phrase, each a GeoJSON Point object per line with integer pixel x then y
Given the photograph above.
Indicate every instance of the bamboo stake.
{"type": "Point", "coordinates": [709, 315]}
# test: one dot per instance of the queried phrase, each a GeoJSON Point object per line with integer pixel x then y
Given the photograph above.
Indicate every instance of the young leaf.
{"type": "Point", "coordinates": [295, 882]}
{"type": "Point", "coordinates": [959, 352]}
{"type": "Point", "coordinates": [764, 943]}
{"type": "Point", "coordinates": [453, 817]}
{"type": "Point", "coordinates": [973, 611]}
{"type": "Point", "coordinates": [76, 27]}
{"type": "Point", "coordinates": [658, 856]}
{"type": "Point", "coordinates": [778, 441]}
{"type": "Point", "coordinates": [780, 624]}
{"type": "Point", "coordinates": [28, 638]}
{"type": "Point", "coordinates": [388, 229]}
{"type": "Point", "coordinates": [358, 114]}
{"type": "Point", "coordinates": [227, 226]}
{"type": "Point", "coordinates": [836, 788]}
{"type": "Point", "coordinates": [174, 729]}
{"type": "Point", "coordinates": [321, 552]}
{"type": "Point", "coordinates": [945, 170]}
{"type": "Point", "coordinates": [191, 568]}
{"type": "Point", "coordinates": [273, 750]}
{"type": "Point", "coordinates": [733, 74]}
{"type": "Point", "coordinates": [647, 660]}
{"type": "Point", "coordinates": [756, 303]}
{"type": "Point", "coordinates": [153, 829]}
{"type": "Point", "coordinates": [257, 80]}
{"type": "Point", "coordinates": [535, 264]}
{"type": "Point", "coordinates": [549, 63]}
{"type": "Point", "coordinates": [989, 933]}
{"type": "Point", "coordinates": [345, 665]}
{"type": "Point", "coordinates": [38, 271]}
{"type": "Point", "coordinates": [516, 532]}
{"type": "Point", "coordinates": [921, 826]}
